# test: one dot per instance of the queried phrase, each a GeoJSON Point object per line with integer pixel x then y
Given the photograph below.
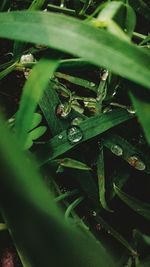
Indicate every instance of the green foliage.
{"type": "Point", "coordinates": [74, 89]}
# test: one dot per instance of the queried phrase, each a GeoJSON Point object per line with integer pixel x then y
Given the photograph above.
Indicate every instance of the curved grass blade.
{"type": "Point", "coordinates": [90, 128]}
{"type": "Point", "coordinates": [130, 22]}
{"type": "Point", "coordinates": [8, 70]}
{"type": "Point", "coordinates": [72, 163]}
{"type": "Point", "coordinates": [40, 244]}
{"type": "Point", "coordinates": [138, 206]}
{"type": "Point", "coordinates": [101, 180]}
{"type": "Point", "coordinates": [140, 7]}
{"type": "Point", "coordinates": [32, 93]}
{"type": "Point", "coordinates": [115, 234]}
{"type": "Point", "coordinates": [80, 39]}
{"type": "Point", "coordinates": [142, 106]}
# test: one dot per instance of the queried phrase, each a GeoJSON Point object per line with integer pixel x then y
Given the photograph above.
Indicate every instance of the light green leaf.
{"type": "Point", "coordinates": [72, 163]}
{"type": "Point", "coordinates": [130, 22]}
{"type": "Point", "coordinates": [35, 222]}
{"type": "Point", "coordinates": [32, 93]}
{"type": "Point", "coordinates": [33, 135]}
{"type": "Point", "coordinates": [79, 39]}
{"type": "Point", "coordinates": [37, 118]}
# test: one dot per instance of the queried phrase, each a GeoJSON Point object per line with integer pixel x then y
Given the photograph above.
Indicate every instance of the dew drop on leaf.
{"type": "Point", "coordinates": [131, 110]}
{"type": "Point", "coordinates": [117, 150]}
{"type": "Point", "coordinates": [27, 58]}
{"type": "Point", "coordinates": [92, 84]}
{"type": "Point", "coordinates": [77, 121]}
{"type": "Point", "coordinates": [60, 137]}
{"type": "Point", "coordinates": [74, 134]}
{"type": "Point", "coordinates": [137, 163]}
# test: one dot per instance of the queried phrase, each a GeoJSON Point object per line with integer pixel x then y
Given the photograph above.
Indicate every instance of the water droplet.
{"type": "Point", "coordinates": [131, 110]}
{"type": "Point", "coordinates": [117, 150]}
{"type": "Point", "coordinates": [77, 121]}
{"type": "Point", "coordinates": [27, 58]}
{"type": "Point", "coordinates": [92, 84]}
{"type": "Point", "coordinates": [107, 109]}
{"type": "Point", "coordinates": [74, 134]}
{"type": "Point", "coordinates": [135, 162]}
{"type": "Point", "coordinates": [94, 213]}
{"type": "Point", "coordinates": [60, 137]}
{"type": "Point", "coordinates": [104, 75]}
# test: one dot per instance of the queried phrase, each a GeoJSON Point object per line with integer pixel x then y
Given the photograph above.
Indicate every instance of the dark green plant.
{"type": "Point", "coordinates": [88, 75]}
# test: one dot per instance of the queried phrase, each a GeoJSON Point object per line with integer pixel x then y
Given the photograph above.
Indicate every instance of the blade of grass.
{"type": "Point", "coordinates": [101, 180]}
{"type": "Point", "coordinates": [141, 7]}
{"type": "Point", "coordinates": [78, 38]}
{"type": "Point", "coordinates": [138, 206]}
{"type": "Point", "coordinates": [90, 128]}
{"type": "Point", "coordinates": [142, 106]}
{"type": "Point", "coordinates": [32, 93]}
{"type": "Point", "coordinates": [40, 243]}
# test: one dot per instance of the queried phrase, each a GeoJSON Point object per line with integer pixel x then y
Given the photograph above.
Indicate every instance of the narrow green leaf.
{"type": "Point", "coordinates": [8, 70]}
{"type": "Point", "coordinates": [130, 22]}
{"type": "Point", "coordinates": [110, 10]}
{"type": "Point", "coordinates": [33, 135]}
{"type": "Point", "coordinates": [140, 207]}
{"type": "Point", "coordinates": [101, 180]}
{"type": "Point", "coordinates": [90, 128]}
{"type": "Point", "coordinates": [78, 38]}
{"type": "Point", "coordinates": [110, 230]}
{"type": "Point", "coordinates": [32, 93]}
{"type": "Point", "coordinates": [142, 106]}
{"type": "Point", "coordinates": [36, 224]}
{"type": "Point", "coordinates": [72, 163]}
{"type": "Point", "coordinates": [48, 104]}
{"type": "Point", "coordinates": [37, 4]}
{"type": "Point", "coordinates": [140, 7]}
{"type": "Point", "coordinates": [37, 118]}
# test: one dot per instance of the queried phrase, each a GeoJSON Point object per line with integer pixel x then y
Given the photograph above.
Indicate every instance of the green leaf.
{"type": "Point", "coordinates": [130, 22]}
{"type": "Point", "coordinates": [37, 118]}
{"type": "Point", "coordinates": [115, 234]}
{"type": "Point", "coordinates": [35, 222]}
{"type": "Point", "coordinates": [90, 128]}
{"type": "Point", "coordinates": [142, 106]}
{"type": "Point", "coordinates": [72, 163]}
{"type": "Point", "coordinates": [37, 4]}
{"type": "Point", "coordinates": [78, 38]}
{"type": "Point", "coordinates": [140, 207]}
{"type": "Point", "coordinates": [8, 70]}
{"type": "Point", "coordinates": [33, 135]}
{"type": "Point", "coordinates": [140, 7]}
{"type": "Point", "coordinates": [48, 105]}
{"type": "Point", "coordinates": [101, 180]}
{"type": "Point", "coordinates": [32, 93]}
